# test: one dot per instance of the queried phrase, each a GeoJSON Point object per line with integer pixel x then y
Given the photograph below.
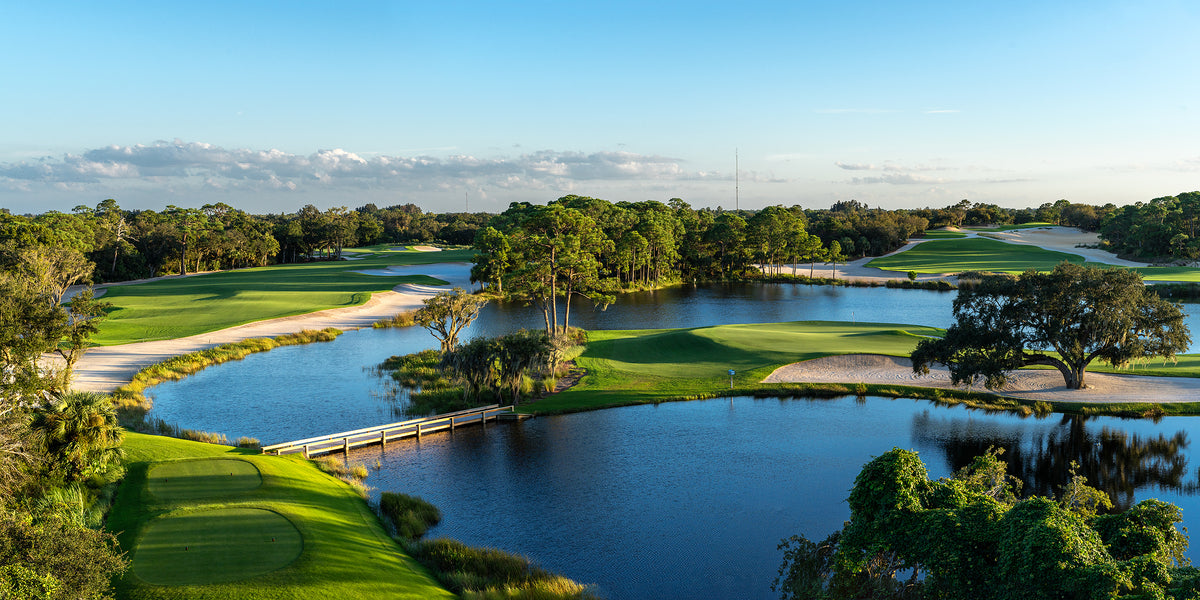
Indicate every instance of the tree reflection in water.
{"type": "Point", "coordinates": [1040, 453]}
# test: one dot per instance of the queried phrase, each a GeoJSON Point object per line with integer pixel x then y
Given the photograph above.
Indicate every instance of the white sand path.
{"type": "Point", "coordinates": [1044, 385]}
{"type": "Point", "coordinates": [107, 368]}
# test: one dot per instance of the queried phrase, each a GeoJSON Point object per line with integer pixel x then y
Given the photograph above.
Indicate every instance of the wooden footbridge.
{"type": "Point", "coordinates": [382, 434]}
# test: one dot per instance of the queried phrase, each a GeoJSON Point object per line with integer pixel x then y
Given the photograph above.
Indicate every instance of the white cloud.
{"type": "Point", "coordinates": [207, 166]}
{"type": "Point", "coordinates": [899, 179]}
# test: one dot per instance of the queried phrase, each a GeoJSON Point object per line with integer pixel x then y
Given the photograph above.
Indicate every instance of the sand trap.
{"type": "Point", "coordinates": [426, 249]}
{"type": "Point", "coordinates": [1033, 385]}
{"type": "Point", "coordinates": [1062, 239]}
{"type": "Point", "coordinates": [106, 368]}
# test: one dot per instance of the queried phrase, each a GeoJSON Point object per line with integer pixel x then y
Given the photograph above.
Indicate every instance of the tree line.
{"type": "Point", "coordinates": [652, 242]}
{"type": "Point", "coordinates": [133, 244]}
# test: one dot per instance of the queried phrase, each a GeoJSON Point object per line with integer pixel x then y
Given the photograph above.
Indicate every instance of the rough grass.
{"type": "Point", "coordinates": [184, 306]}
{"type": "Point", "coordinates": [345, 554]}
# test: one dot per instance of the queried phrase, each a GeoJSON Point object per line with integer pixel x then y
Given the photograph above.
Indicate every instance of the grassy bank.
{"type": "Point", "coordinates": [187, 510]}
{"type": "Point", "coordinates": [973, 254]}
{"type": "Point", "coordinates": [634, 367]}
{"type": "Point", "coordinates": [942, 234]}
{"type": "Point", "coordinates": [643, 366]}
{"type": "Point", "coordinates": [131, 397]}
{"type": "Point", "coordinates": [183, 306]}
{"type": "Point", "coordinates": [981, 254]}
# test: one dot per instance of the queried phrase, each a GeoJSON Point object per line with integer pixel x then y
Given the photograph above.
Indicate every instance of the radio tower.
{"type": "Point", "coordinates": [737, 201]}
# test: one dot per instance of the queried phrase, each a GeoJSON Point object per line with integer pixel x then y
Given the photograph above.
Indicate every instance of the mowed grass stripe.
{"type": "Point", "coordinates": [346, 553]}
{"type": "Point", "coordinates": [215, 546]}
{"type": "Point", "coordinates": [205, 478]}
{"type": "Point", "coordinates": [179, 307]}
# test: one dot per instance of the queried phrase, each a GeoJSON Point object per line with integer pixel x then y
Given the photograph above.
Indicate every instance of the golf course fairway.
{"type": "Point", "coordinates": [183, 306]}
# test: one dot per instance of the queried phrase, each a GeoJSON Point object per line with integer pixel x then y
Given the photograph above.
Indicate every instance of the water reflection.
{"type": "Point", "coordinates": [1040, 453]}
{"type": "Point", "coordinates": [689, 499]}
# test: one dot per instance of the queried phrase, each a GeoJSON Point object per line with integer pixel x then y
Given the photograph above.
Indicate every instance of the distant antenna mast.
{"type": "Point", "coordinates": [737, 201]}
{"type": "Point", "coordinates": [466, 202]}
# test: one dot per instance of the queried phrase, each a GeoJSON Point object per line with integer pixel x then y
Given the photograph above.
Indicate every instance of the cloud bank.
{"type": "Point", "coordinates": [201, 165]}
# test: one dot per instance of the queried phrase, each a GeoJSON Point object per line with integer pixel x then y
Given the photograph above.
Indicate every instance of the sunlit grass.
{"type": "Point", "coordinates": [979, 254]}
{"type": "Point", "coordinates": [339, 550]}
{"type": "Point", "coordinates": [633, 367]}
{"type": "Point", "coordinates": [973, 254]}
{"type": "Point", "coordinates": [182, 306]}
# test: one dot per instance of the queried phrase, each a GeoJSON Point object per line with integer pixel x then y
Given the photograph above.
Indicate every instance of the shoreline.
{"type": "Point", "coordinates": [106, 368]}
{"type": "Point", "coordinates": [1035, 385]}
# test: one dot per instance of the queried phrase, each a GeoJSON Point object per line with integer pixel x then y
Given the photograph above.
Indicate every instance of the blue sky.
{"type": "Point", "coordinates": [270, 106]}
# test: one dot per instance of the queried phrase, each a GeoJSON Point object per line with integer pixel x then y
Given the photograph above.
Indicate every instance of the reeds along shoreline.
{"type": "Point", "coordinates": [132, 404]}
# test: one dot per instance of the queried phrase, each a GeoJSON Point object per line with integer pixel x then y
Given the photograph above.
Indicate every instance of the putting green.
{"type": "Point", "coordinates": [197, 479]}
{"type": "Point", "coordinates": [215, 546]}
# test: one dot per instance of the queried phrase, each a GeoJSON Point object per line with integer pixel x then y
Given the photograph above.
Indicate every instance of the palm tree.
{"type": "Point", "coordinates": [79, 433]}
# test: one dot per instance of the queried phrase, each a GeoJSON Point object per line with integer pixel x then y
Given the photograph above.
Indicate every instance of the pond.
{"type": "Point", "coordinates": [690, 499]}
{"type": "Point", "coordinates": [302, 391]}
{"type": "Point", "coordinates": [679, 500]}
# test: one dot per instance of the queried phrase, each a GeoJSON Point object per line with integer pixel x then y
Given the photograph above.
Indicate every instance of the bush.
{"type": "Point", "coordinates": [487, 573]}
{"type": "Point", "coordinates": [411, 516]}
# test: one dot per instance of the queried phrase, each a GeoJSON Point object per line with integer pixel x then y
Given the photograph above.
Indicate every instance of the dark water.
{"type": "Point", "coordinates": [690, 499]}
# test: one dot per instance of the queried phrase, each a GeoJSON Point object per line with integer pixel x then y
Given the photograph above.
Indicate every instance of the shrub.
{"type": "Point", "coordinates": [248, 442]}
{"type": "Point", "coordinates": [487, 573]}
{"type": "Point", "coordinates": [912, 275]}
{"type": "Point", "coordinates": [411, 516]}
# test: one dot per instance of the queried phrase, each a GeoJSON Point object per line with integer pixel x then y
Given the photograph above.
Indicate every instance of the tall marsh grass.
{"type": "Point", "coordinates": [132, 404]}
{"type": "Point", "coordinates": [411, 516]}
{"type": "Point", "coordinates": [487, 573]}
{"type": "Point", "coordinates": [178, 367]}
{"type": "Point", "coordinates": [404, 319]}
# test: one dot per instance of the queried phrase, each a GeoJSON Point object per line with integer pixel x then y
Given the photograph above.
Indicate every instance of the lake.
{"type": "Point", "coordinates": [678, 500]}
{"type": "Point", "coordinates": [690, 499]}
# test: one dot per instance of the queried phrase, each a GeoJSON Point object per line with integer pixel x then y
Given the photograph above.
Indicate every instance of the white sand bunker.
{"type": "Point", "coordinates": [1063, 239]}
{"type": "Point", "coordinates": [417, 248]}
{"type": "Point", "coordinates": [1029, 384]}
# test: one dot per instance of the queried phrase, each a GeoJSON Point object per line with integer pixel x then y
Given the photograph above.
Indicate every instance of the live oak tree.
{"type": "Point", "coordinates": [447, 314]}
{"type": "Point", "coordinates": [1064, 319]}
{"type": "Point", "coordinates": [972, 537]}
